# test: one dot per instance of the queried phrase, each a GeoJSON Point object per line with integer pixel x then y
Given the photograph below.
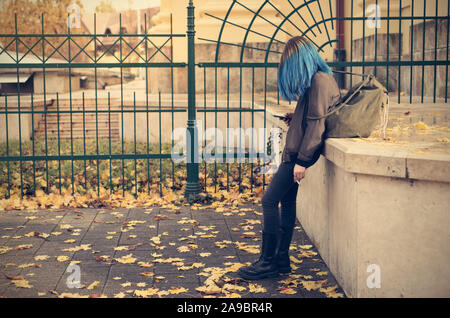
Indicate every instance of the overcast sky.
{"type": "Point", "coordinates": [90, 5]}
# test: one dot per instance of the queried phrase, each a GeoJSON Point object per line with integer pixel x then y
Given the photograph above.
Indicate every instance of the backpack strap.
{"type": "Point", "coordinates": [336, 109]}
{"type": "Point", "coordinates": [350, 73]}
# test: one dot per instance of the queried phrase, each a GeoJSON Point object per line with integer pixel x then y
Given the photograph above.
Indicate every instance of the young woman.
{"type": "Point", "coordinates": [305, 77]}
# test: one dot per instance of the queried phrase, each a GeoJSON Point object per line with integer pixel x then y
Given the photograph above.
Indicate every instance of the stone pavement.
{"type": "Point", "coordinates": [149, 252]}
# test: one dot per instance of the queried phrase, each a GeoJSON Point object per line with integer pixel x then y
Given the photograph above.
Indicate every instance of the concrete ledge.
{"type": "Point", "coordinates": [366, 204]}
{"type": "Point", "coordinates": [385, 161]}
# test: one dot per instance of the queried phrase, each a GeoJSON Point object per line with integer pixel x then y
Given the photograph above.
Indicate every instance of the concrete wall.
{"type": "Point", "coordinates": [384, 53]}
{"type": "Point", "coordinates": [13, 127]}
{"type": "Point", "coordinates": [55, 82]}
{"type": "Point", "coordinates": [25, 132]}
{"type": "Point", "coordinates": [371, 205]}
{"type": "Point", "coordinates": [400, 48]}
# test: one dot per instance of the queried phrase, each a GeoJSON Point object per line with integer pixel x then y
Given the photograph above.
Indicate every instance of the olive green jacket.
{"type": "Point", "coordinates": [305, 137]}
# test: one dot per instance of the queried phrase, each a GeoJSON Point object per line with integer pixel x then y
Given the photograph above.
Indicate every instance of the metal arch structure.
{"type": "Point", "coordinates": [329, 22]}
{"type": "Point", "coordinates": [301, 9]}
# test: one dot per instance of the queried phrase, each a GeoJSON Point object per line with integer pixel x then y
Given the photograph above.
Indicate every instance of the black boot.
{"type": "Point", "coordinates": [266, 266]}
{"type": "Point", "coordinates": [282, 258]}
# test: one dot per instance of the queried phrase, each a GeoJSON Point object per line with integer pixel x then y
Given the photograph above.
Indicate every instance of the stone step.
{"type": "Point", "coordinates": [75, 124]}
{"type": "Point", "coordinates": [67, 125]}
{"type": "Point", "coordinates": [80, 116]}
{"type": "Point", "coordinates": [101, 106]}
{"type": "Point", "coordinates": [113, 138]}
{"type": "Point", "coordinates": [78, 130]}
{"type": "Point", "coordinates": [79, 134]}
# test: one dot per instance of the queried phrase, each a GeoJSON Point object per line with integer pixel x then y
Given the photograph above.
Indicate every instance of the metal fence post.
{"type": "Point", "coordinates": [192, 182]}
{"type": "Point", "coordinates": [339, 52]}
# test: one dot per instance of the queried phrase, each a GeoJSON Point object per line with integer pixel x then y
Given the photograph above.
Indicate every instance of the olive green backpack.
{"type": "Point", "coordinates": [359, 111]}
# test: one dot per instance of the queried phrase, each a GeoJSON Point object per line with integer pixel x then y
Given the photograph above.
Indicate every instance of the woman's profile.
{"type": "Point", "coordinates": [304, 77]}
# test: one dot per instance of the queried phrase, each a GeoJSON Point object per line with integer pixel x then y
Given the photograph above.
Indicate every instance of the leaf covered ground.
{"type": "Point", "coordinates": [149, 251]}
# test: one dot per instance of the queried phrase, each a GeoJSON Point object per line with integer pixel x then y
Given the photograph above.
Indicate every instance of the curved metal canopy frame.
{"type": "Point", "coordinates": [301, 10]}
{"type": "Point", "coordinates": [320, 48]}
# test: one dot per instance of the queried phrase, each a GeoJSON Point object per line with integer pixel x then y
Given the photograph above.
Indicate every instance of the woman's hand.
{"type": "Point", "coordinates": [299, 172]}
{"type": "Point", "coordinates": [288, 119]}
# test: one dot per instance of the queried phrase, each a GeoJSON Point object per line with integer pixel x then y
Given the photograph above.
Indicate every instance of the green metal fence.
{"type": "Point", "coordinates": [78, 141]}
{"type": "Point", "coordinates": [82, 163]}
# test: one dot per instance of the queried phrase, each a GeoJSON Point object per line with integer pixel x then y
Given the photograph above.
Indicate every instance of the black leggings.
{"type": "Point", "coordinates": [282, 189]}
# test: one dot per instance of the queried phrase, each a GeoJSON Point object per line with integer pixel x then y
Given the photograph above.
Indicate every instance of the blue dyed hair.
{"type": "Point", "coordinates": [299, 62]}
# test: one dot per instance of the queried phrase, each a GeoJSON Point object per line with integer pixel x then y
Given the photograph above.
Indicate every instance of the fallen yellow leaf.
{"type": "Point", "coordinates": [331, 292]}
{"type": "Point", "coordinates": [120, 295]}
{"type": "Point", "coordinates": [311, 285]}
{"type": "Point", "coordinates": [287, 291]}
{"type": "Point", "coordinates": [144, 293]}
{"type": "Point", "coordinates": [62, 258]}
{"type": "Point", "coordinates": [148, 274]}
{"type": "Point", "coordinates": [22, 283]}
{"type": "Point", "coordinates": [256, 288]}
{"type": "Point", "coordinates": [93, 285]}
{"type": "Point", "coordinates": [127, 259]}
{"type": "Point", "coordinates": [70, 295]}
{"type": "Point", "coordinates": [421, 125]}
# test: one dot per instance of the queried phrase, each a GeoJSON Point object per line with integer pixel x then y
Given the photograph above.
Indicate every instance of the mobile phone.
{"type": "Point", "coordinates": [281, 117]}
